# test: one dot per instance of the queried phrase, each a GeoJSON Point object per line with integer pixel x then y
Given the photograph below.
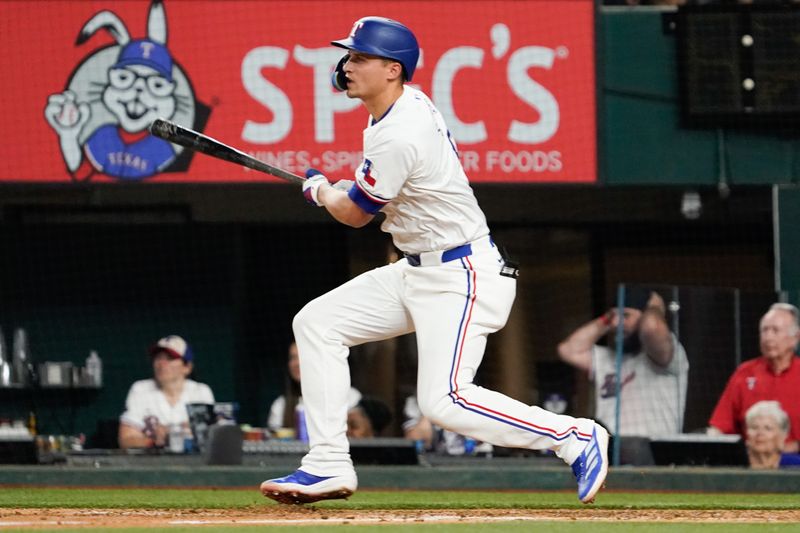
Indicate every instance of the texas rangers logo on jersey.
{"type": "Point", "coordinates": [367, 172]}
{"type": "Point", "coordinates": [609, 387]}
{"type": "Point", "coordinates": [114, 94]}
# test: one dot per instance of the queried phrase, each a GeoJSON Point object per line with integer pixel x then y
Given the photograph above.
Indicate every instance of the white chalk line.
{"type": "Point", "coordinates": [365, 520]}
{"type": "Point", "coordinates": [44, 523]}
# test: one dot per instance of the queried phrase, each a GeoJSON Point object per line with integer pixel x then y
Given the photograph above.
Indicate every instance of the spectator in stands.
{"type": "Point", "coordinates": [154, 405]}
{"type": "Point", "coordinates": [282, 411]}
{"type": "Point", "coordinates": [767, 426]}
{"type": "Point", "coordinates": [368, 418]}
{"type": "Point", "coordinates": [654, 366]}
{"type": "Point", "coordinates": [775, 375]}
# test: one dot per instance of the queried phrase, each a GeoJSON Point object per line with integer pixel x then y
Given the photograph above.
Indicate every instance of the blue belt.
{"type": "Point", "coordinates": [448, 255]}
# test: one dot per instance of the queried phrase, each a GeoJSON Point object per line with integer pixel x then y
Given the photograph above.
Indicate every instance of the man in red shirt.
{"type": "Point", "coordinates": [773, 376]}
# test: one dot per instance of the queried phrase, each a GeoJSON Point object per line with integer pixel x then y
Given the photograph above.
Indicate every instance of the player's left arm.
{"type": "Point", "coordinates": [654, 332]}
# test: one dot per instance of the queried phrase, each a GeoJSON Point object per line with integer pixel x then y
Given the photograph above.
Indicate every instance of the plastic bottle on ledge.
{"type": "Point", "coordinates": [300, 421]}
{"type": "Point", "coordinates": [94, 369]}
{"type": "Point", "coordinates": [5, 374]}
{"type": "Point", "coordinates": [20, 357]}
{"type": "Point", "coordinates": [32, 423]}
{"type": "Point", "coordinates": [5, 365]}
{"type": "Point", "coordinates": [176, 439]}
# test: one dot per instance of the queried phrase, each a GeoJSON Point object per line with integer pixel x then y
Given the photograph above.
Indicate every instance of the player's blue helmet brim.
{"type": "Point", "coordinates": [383, 37]}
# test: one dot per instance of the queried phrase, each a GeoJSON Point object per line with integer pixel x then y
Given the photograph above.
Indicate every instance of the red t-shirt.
{"type": "Point", "coordinates": [752, 382]}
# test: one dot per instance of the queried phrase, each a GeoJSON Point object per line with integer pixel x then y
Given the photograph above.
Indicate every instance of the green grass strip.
{"type": "Point", "coordinates": [170, 498]}
{"type": "Point", "coordinates": [505, 527]}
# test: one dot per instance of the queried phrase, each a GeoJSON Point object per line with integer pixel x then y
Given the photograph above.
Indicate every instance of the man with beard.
{"type": "Point", "coordinates": [654, 367]}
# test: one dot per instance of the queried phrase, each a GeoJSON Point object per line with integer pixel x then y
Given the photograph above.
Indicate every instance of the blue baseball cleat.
{"type": "Point", "coordinates": [302, 487]}
{"type": "Point", "coordinates": [591, 466]}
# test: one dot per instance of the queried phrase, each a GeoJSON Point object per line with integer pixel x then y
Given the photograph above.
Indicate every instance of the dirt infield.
{"type": "Point", "coordinates": [290, 515]}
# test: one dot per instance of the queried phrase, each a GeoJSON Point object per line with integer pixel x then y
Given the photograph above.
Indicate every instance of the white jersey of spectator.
{"type": "Point", "coordinates": [145, 399]}
{"type": "Point", "coordinates": [652, 399]}
{"type": "Point", "coordinates": [276, 410]}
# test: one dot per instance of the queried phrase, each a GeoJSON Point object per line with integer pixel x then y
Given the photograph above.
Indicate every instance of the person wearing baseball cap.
{"type": "Point", "coordinates": [654, 368]}
{"type": "Point", "coordinates": [155, 405]}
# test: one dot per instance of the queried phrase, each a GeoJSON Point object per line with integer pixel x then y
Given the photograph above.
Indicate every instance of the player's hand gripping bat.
{"type": "Point", "coordinates": [198, 142]}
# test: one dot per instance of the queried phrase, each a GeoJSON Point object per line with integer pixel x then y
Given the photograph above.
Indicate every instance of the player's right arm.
{"type": "Point", "coordinates": [386, 165]}
{"type": "Point", "coordinates": [341, 207]}
{"type": "Point", "coordinates": [334, 198]}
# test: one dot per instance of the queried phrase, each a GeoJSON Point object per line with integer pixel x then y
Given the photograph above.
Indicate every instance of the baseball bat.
{"type": "Point", "coordinates": [198, 142]}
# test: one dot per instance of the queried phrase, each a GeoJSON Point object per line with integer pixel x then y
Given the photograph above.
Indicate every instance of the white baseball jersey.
{"type": "Point", "coordinates": [652, 397]}
{"type": "Point", "coordinates": [412, 173]}
{"type": "Point", "coordinates": [145, 399]}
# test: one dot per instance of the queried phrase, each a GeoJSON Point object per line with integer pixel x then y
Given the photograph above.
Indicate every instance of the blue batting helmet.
{"type": "Point", "coordinates": [383, 37]}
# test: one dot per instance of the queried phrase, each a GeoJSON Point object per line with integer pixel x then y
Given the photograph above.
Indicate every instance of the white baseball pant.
{"type": "Point", "coordinates": [452, 306]}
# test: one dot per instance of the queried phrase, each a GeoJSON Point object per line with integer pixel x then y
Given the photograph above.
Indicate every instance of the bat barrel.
{"type": "Point", "coordinates": [196, 141]}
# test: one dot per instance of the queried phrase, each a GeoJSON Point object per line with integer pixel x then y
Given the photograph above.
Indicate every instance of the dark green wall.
{"type": "Point", "coordinates": [230, 290]}
{"type": "Point", "coordinates": [642, 141]}
{"type": "Point", "coordinates": [789, 240]}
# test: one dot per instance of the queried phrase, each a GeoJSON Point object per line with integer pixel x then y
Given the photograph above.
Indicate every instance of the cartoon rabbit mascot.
{"type": "Point", "coordinates": [113, 96]}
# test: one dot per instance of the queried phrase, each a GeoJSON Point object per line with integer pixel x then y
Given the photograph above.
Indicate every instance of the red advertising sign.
{"type": "Point", "coordinates": [82, 80]}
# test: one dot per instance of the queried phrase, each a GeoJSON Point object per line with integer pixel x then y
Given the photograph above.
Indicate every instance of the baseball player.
{"type": "Point", "coordinates": [453, 287]}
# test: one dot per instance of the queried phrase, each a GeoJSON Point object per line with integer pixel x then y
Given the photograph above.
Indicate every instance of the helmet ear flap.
{"type": "Point", "coordinates": [338, 78]}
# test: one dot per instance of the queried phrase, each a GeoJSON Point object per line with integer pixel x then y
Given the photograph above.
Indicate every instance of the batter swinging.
{"type": "Point", "coordinates": [453, 287]}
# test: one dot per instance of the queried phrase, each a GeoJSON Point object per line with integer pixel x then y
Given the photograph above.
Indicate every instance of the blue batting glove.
{"type": "Point", "coordinates": [311, 172]}
{"type": "Point", "coordinates": [314, 179]}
